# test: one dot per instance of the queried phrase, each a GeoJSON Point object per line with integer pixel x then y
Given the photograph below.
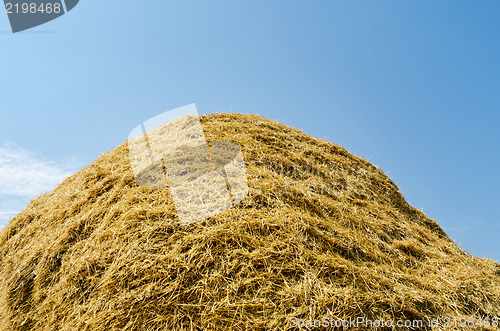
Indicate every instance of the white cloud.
{"type": "Point", "coordinates": [24, 176]}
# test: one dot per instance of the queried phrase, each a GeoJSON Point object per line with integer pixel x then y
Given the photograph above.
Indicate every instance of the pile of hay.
{"type": "Point", "coordinates": [322, 233]}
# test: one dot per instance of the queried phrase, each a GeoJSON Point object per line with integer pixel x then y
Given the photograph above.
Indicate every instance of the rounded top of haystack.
{"type": "Point", "coordinates": [318, 233]}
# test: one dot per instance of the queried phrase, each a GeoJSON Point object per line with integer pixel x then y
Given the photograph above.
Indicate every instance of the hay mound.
{"type": "Point", "coordinates": [322, 233]}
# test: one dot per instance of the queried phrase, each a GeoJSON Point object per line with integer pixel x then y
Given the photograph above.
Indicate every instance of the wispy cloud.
{"type": "Point", "coordinates": [24, 176]}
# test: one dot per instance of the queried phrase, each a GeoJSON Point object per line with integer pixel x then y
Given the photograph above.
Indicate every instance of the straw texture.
{"type": "Point", "coordinates": [322, 233]}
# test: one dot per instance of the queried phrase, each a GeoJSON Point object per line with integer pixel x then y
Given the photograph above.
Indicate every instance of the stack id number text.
{"type": "Point", "coordinates": [33, 8]}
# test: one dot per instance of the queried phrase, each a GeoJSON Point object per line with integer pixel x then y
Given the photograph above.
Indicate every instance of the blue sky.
{"type": "Point", "coordinates": [411, 86]}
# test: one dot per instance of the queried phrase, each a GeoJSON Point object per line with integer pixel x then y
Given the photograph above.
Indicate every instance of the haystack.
{"type": "Point", "coordinates": [322, 235]}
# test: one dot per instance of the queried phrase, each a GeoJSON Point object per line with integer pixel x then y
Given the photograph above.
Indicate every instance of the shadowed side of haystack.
{"type": "Point", "coordinates": [322, 233]}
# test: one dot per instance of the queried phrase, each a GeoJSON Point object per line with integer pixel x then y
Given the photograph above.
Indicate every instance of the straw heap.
{"type": "Point", "coordinates": [322, 233]}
